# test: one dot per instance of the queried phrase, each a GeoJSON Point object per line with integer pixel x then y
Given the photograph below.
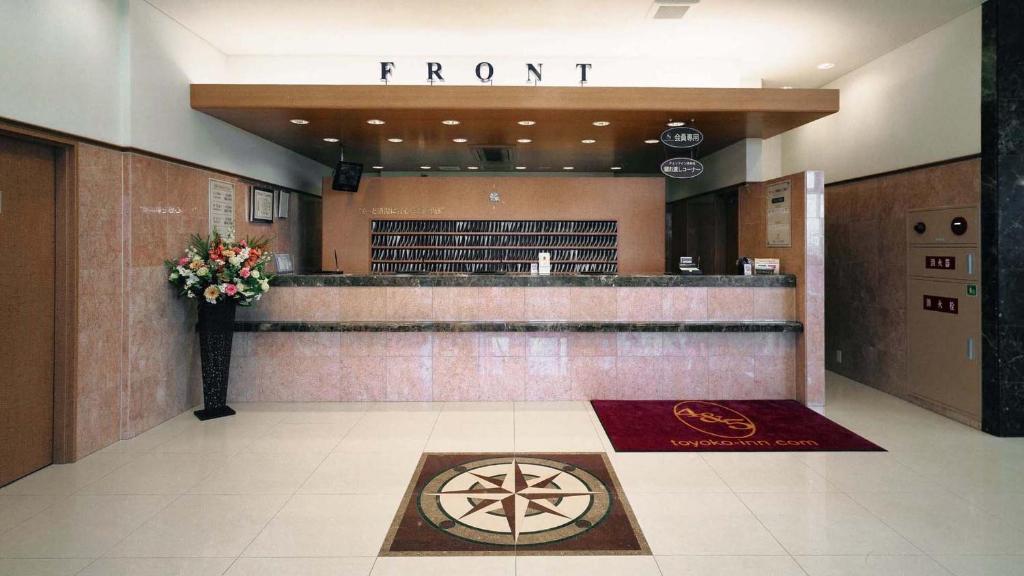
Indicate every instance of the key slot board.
{"type": "Point", "coordinates": [497, 246]}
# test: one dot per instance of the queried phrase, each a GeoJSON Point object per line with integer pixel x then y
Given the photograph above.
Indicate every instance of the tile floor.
{"type": "Point", "coordinates": [311, 489]}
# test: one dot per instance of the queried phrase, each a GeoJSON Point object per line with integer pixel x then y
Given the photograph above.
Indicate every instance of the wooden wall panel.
{"type": "Point", "coordinates": [638, 204]}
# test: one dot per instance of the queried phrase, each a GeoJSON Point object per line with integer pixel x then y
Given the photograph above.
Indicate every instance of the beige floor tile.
{"type": "Point", "coordinates": [473, 427]}
{"type": "Point", "coordinates": [42, 567]}
{"type": "Point", "coordinates": [65, 479]}
{"type": "Point", "coordinates": [306, 438]}
{"type": "Point", "coordinates": [555, 427]}
{"type": "Point", "coordinates": [446, 566]}
{"type": "Point", "coordinates": [225, 437]}
{"type": "Point", "coordinates": [249, 473]}
{"type": "Point", "coordinates": [158, 567]}
{"type": "Point", "coordinates": [79, 526]}
{"type": "Point", "coordinates": [729, 566]}
{"type": "Point", "coordinates": [16, 508]}
{"type": "Point", "coordinates": [983, 565]}
{"type": "Point", "coordinates": [870, 566]}
{"type": "Point", "coordinates": [867, 472]}
{"type": "Point", "coordinates": [942, 524]}
{"type": "Point", "coordinates": [825, 523]}
{"type": "Point", "coordinates": [1008, 506]}
{"type": "Point", "coordinates": [362, 473]}
{"type": "Point", "coordinates": [327, 525]}
{"type": "Point", "coordinates": [586, 565]}
{"type": "Point", "coordinates": [383, 431]}
{"type": "Point", "coordinates": [157, 473]}
{"type": "Point", "coordinates": [714, 524]}
{"type": "Point", "coordinates": [766, 472]}
{"type": "Point", "coordinates": [301, 567]}
{"type": "Point", "coordinates": [666, 472]}
{"type": "Point", "coordinates": [201, 526]}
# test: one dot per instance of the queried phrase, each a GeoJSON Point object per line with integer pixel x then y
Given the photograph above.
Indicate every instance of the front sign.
{"type": "Point", "coordinates": [682, 168]}
{"type": "Point", "coordinates": [682, 137]}
{"type": "Point", "coordinates": [940, 262]}
{"type": "Point", "coordinates": [941, 304]}
{"type": "Point", "coordinates": [484, 72]}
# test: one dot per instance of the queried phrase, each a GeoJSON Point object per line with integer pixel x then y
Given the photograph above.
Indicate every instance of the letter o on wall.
{"type": "Point", "coordinates": [490, 71]}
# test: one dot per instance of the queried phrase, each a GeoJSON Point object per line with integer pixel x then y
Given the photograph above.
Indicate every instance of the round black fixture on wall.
{"type": "Point", "coordinates": [920, 227]}
{"type": "Point", "coordinates": [958, 225]}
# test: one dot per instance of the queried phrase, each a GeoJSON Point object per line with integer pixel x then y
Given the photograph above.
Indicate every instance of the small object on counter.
{"type": "Point", "coordinates": [744, 266]}
{"type": "Point", "coordinates": [544, 263]}
{"type": "Point", "coordinates": [533, 268]}
{"type": "Point", "coordinates": [689, 265]}
{"type": "Point", "coordinates": [766, 266]}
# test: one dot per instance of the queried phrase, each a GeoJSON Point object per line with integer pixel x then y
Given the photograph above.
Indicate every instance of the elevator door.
{"type": "Point", "coordinates": [27, 258]}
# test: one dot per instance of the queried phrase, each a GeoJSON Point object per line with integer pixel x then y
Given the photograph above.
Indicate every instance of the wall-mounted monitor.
{"type": "Point", "coordinates": [347, 176]}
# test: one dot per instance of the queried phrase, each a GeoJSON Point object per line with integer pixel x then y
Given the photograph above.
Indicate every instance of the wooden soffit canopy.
{"type": "Point", "coordinates": [489, 116]}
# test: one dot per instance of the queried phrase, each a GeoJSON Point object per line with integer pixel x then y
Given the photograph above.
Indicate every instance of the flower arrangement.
{"type": "Point", "coordinates": [219, 269]}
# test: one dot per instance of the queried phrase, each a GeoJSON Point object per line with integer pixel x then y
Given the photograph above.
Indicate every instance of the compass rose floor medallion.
{"type": "Point", "coordinates": [514, 504]}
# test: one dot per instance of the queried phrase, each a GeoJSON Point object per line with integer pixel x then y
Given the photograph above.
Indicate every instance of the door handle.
{"type": "Point", "coordinates": [970, 263]}
{"type": "Point", "coordinates": [970, 347]}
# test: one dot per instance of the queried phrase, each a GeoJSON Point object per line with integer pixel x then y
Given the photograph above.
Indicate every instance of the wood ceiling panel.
{"type": "Point", "coordinates": [488, 116]}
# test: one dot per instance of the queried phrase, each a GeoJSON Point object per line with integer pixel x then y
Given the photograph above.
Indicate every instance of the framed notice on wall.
{"type": "Point", "coordinates": [222, 207]}
{"type": "Point", "coordinates": [261, 205]}
{"type": "Point", "coordinates": [283, 198]}
{"type": "Point", "coordinates": [777, 215]}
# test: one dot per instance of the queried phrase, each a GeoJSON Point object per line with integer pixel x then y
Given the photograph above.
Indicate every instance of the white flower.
{"type": "Point", "coordinates": [264, 285]}
{"type": "Point", "coordinates": [255, 274]}
{"type": "Point", "coordinates": [235, 260]}
{"type": "Point", "coordinates": [174, 276]}
{"type": "Point", "coordinates": [244, 254]}
{"type": "Point", "coordinates": [204, 271]}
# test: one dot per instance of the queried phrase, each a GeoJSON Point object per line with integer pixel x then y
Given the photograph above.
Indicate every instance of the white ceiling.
{"type": "Point", "coordinates": [781, 41]}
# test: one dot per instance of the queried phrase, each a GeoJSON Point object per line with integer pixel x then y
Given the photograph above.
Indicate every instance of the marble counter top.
{"type": "Point", "coordinates": [524, 326]}
{"type": "Point", "coordinates": [512, 280]}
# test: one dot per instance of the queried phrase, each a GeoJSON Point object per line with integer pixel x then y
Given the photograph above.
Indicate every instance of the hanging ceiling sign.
{"type": "Point", "coordinates": [682, 137]}
{"type": "Point", "coordinates": [682, 168]}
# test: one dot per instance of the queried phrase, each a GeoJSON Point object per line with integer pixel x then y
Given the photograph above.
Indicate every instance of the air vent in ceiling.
{"type": "Point", "coordinates": [449, 168]}
{"type": "Point", "coordinates": [493, 155]}
{"type": "Point", "coordinates": [670, 9]}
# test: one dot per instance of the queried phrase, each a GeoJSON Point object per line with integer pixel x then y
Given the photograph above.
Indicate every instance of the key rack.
{"type": "Point", "coordinates": [495, 246]}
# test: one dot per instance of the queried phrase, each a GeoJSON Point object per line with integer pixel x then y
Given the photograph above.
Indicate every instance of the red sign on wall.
{"type": "Point", "coordinates": [940, 262]}
{"type": "Point", "coordinates": [941, 304]}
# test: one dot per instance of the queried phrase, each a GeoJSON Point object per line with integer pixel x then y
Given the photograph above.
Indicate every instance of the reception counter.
{"type": "Point", "coordinates": [518, 337]}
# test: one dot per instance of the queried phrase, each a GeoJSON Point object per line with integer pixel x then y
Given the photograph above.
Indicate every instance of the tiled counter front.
{"type": "Point", "coordinates": [459, 366]}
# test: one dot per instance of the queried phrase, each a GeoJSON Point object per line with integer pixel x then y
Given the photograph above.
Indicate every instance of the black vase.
{"type": "Point", "coordinates": [216, 329]}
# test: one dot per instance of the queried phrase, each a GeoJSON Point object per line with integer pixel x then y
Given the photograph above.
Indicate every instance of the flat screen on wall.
{"type": "Point", "coordinates": [347, 176]}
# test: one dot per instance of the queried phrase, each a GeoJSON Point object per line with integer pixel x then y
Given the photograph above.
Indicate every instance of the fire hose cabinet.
{"type": "Point", "coordinates": [944, 311]}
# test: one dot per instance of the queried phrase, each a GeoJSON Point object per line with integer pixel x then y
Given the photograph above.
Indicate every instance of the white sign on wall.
{"type": "Point", "coordinates": [222, 207]}
{"type": "Point", "coordinates": [778, 217]}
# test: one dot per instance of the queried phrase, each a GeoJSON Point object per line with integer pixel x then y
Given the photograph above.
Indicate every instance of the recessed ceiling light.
{"type": "Point", "coordinates": [375, 121]}
{"type": "Point", "coordinates": [675, 124]}
{"type": "Point", "coordinates": [526, 122]}
{"type": "Point", "coordinates": [588, 141]}
{"type": "Point", "coordinates": [651, 141]}
{"type": "Point", "coordinates": [450, 122]}
{"type": "Point", "coordinates": [395, 140]}
{"type": "Point", "coordinates": [826, 66]}
{"type": "Point", "coordinates": [424, 167]}
{"type": "Point", "coordinates": [331, 140]}
{"type": "Point", "coordinates": [524, 140]}
{"type": "Point", "coordinates": [568, 168]}
{"type": "Point", "coordinates": [378, 167]}
{"type": "Point", "coordinates": [787, 87]}
{"type": "Point", "coordinates": [299, 121]}
{"type": "Point", "coordinates": [520, 167]}
{"type": "Point", "coordinates": [472, 167]}
{"type": "Point", "coordinates": [601, 123]}
{"type": "Point", "coordinates": [616, 167]}
{"type": "Point", "coordinates": [459, 140]}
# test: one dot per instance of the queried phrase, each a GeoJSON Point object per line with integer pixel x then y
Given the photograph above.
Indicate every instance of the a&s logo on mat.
{"type": "Point", "coordinates": [714, 419]}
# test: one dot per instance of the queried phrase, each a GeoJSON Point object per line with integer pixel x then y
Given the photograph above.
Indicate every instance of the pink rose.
{"type": "Point", "coordinates": [230, 289]}
{"type": "Point", "coordinates": [244, 272]}
{"type": "Point", "coordinates": [183, 261]}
